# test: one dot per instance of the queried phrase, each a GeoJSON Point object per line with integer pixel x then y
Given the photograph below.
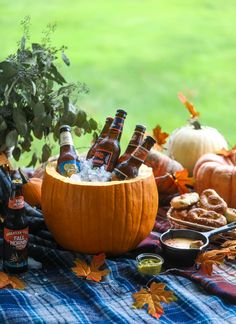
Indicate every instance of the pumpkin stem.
{"type": "Point", "coordinates": [24, 177]}
{"type": "Point", "coordinates": [195, 124]}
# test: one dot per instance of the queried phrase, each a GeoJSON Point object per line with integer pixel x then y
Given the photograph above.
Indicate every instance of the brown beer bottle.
{"type": "Point", "coordinates": [108, 150]}
{"type": "Point", "coordinates": [103, 134]}
{"type": "Point", "coordinates": [129, 168]}
{"type": "Point", "coordinates": [16, 232]}
{"type": "Point", "coordinates": [68, 162]}
{"type": "Point", "coordinates": [135, 141]}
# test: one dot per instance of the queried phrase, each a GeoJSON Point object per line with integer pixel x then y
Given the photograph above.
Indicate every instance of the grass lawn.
{"type": "Point", "coordinates": [139, 54]}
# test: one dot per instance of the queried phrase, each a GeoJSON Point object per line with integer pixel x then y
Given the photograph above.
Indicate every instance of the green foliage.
{"type": "Point", "coordinates": [35, 98]}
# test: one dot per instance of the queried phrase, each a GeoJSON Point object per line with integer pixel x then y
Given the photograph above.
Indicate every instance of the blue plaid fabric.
{"type": "Point", "coordinates": [55, 294]}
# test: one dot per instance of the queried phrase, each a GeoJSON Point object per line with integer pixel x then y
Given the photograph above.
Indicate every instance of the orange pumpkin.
{"type": "Point", "coordinates": [31, 189]}
{"type": "Point", "coordinates": [162, 167]}
{"type": "Point", "coordinates": [219, 173]}
{"type": "Point", "coordinates": [91, 217]}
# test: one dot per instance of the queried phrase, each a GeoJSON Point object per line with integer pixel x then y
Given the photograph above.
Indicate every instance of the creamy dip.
{"type": "Point", "coordinates": [183, 243]}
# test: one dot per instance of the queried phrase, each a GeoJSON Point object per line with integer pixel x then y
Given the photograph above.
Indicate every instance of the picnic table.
{"type": "Point", "coordinates": [54, 294]}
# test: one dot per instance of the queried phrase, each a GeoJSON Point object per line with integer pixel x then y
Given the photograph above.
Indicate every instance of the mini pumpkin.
{"type": "Point", "coordinates": [31, 189]}
{"type": "Point", "coordinates": [188, 143]}
{"type": "Point", "coordinates": [217, 172]}
{"type": "Point", "coordinates": [91, 217]}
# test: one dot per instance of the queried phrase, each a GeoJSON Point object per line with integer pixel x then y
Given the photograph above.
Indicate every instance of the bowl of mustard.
{"type": "Point", "coordinates": [149, 263]}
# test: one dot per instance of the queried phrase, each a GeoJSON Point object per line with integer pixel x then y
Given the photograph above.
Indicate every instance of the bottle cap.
{"type": "Point", "coordinates": [150, 139]}
{"type": "Point", "coordinates": [65, 128]}
{"type": "Point", "coordinates": [121, 111]}
{"type": "Point", "coordinates": [141, 128]}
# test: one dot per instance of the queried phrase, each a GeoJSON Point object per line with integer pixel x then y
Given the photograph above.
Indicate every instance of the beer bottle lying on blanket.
{"type": "Point", "coordinates": [15, 228]}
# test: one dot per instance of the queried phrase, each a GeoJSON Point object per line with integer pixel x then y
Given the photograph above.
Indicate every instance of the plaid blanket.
{"type": "Point", "coordinates": [54, 294]}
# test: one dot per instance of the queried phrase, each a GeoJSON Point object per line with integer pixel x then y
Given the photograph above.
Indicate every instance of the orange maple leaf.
{"type": "Point", "coordinates": [153, 297]}
{"type": "Point", "coordinates": [14, 282]}
{"type": "Point", "coordinates": [188, 105]}
{"type": "Point", "coordinates": [226, 153]}
{"type": "Point", "coordinates": [210, 258]}
{"type": "Point", "coordinates": [160, 137]}
{"type": "Point", "coordinates": [181, 180]}
{"type": "Point", "coordinates": [91, 272]}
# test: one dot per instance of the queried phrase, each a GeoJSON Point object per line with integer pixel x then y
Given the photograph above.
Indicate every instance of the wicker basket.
{"type": "Point", "coordinates": [181, 224]}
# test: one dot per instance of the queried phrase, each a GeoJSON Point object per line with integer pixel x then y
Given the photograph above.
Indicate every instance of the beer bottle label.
{"type": "Point", "coordinates": [140, 153]}
{"type": "Point", "coordinates": [121, 175]}
{"type": "Point", "coordinates": [66, 139]}
{"type": "Point", "coordinates": [15, 247]}
{"type": "Point", "coordinates": [118, 124]}
{"type": "Point", "coordinates": [102, 157]}
{"type": "Point", "coordinates": [67, 168]}
{"type": "Point", "coordinates": [16, 203]}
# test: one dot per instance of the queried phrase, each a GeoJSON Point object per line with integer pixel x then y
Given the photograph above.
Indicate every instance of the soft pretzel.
{"type": "Point", "coordinates": [210, 200]}
{"type": "Point", "coordinates": [185, 200]}
{"type": "Point", "coordinates": [230, 215]}
{"type": "Point", "coordinates": [180, 214]}
{"type": "Point", "coordinates": [206, 217]}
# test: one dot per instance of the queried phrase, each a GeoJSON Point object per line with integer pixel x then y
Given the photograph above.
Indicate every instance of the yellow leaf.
{"type": "Point", "coordinates": [4, 280]}
{"type": "Point", "coordinates": [226, 153]}
{"type": "Point", "coordinates": [210, 258]}
{"type": "Point", "coordinates": [17, 283]}
{"type": "Point", "coordinates": [181, 180]}
{"type": "Point", "coordinates": [92, 271]}
{"type": "Point", "coordinates": [152, 297]}
{"type": "Point", "coordinates": [188, 105]}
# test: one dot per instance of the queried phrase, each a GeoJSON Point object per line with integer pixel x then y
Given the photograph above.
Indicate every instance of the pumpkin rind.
{"type": "Point", "coordinates": [112, 217]}
{"type": "Point", "coordinates": [218, 173]}
{"type": "Point", "coordinates": [186, 144]}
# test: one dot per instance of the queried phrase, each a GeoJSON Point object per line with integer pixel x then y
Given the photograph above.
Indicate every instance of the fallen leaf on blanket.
{"type": "Point", "coordinates": [188, 105]}
{"type": "Point", "coordinates": [207, 259]}
{"type": "Point", "coordinates": [14, 282]}
{"type": "Point", "coordinates": [92, 271]}
{"type": "Point", "coordinates": [152, 297]}
{"type": "Point", "coordinates": [182, 180]}
{"type": "Point", "coordinates": [231, 245]}
{"type": "Point", "coordinates": [160, 137]}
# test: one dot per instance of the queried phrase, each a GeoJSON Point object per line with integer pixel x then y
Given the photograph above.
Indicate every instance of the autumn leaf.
{"type": "Point", "coordinates": [182, 180]}
{"type": "Point", "coordinates": [160, 137]}
{"type": "Point", "coordinates": [208, 259]}
{"type": "Point", "coordinates": [231, 245]}
{"type": "Point", "coordinates": [14, 282]}
{"type": "Point", "coordinates": [188, 105]}
{"type": "Point", "coordinates": [91, 272]}
{"type": "Point", "coordinates": [226, 153]}
{"type": "Point", "coordinates": [153, 297]}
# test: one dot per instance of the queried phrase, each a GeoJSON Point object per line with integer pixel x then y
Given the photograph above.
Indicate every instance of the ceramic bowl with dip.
{"type": "Point", "coordinates": [149, 263]}
{"type": "Point", "coordinates": [182, 246]}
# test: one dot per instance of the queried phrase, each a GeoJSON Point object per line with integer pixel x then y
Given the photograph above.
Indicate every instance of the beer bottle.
{"type": "Point", "coordinates": [68, 161]}
{"type": "Point", "coordinates": [102, 135]}
{"type": "Point", "coordinates": [129, 168]}
{"type": "Point", "coordinates": [15, 229]}
{"type": "Point", "coordinates": [108, 150]}
{"type": "Point", "coordinates": [135, 141]}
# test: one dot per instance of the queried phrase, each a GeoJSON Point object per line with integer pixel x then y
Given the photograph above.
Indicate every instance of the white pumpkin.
{"type": "Point", "coordinates": [188, 143]}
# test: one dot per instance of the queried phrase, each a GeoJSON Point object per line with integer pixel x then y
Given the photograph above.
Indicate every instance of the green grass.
{"type": "Point", "coordinates": [139, 54]}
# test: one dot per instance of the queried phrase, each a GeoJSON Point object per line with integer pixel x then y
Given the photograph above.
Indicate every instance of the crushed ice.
{"type": "Point", "coordinates": [87, 173]}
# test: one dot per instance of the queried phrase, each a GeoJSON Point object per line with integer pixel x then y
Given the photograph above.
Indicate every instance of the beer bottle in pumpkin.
{"type": "Point", "coordinates": [68, 162]}
{"type": "Point", "coordinates": [108, 150]}
{"type": "Point", "coordinates": [15, 229]}
{"type": "Point", "coordinates": [135, 141]}
{"type": "Point", "coordinates": [129, 168]}
{"type": "Point", "coordinates": [102, 135]}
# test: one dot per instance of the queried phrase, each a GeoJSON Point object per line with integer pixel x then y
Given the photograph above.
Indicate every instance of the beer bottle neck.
{"type": "Point", "coordinates": [135, 141]}
{"type": "Point", "coordinates": [141, 152]}
{"type": "Point", "coordinates": [16, 200]}
{"type": "Point", "coordinates": [105, 129]}
{"type": "Point", "coordinates": [116, 128]}
{"type": "Point", "coordinates": [66, 139]}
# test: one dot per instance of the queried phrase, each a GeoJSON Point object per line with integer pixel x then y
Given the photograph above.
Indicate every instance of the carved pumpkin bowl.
{"type": "Point", "coordinates": [92, 217]}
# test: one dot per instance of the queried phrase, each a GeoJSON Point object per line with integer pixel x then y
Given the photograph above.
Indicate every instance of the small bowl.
{"type": "Point", "coordinates": [149, 263]}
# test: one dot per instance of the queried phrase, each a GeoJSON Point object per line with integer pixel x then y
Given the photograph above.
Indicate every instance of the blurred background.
{"type": "Point", "coordinates": [138, 55]}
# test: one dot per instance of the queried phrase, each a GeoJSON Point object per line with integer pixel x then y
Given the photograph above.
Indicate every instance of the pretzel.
{"type": "Point", "coordinates": [180, 214]}
{"type": "Point", "coordinates": [185, 200]}
{"type": "Point", "coordinates": [230, 215]}
{"type": "Point", "coordinates": [210, 200]}
{"type": "Point", "coordinates": [206, 217]}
